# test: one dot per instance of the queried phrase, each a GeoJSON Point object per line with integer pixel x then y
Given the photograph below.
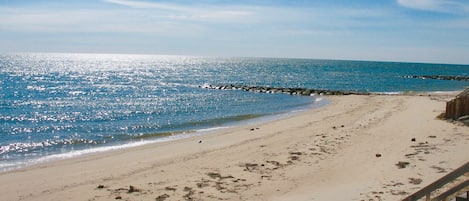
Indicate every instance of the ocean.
{"type": "Point", "coordinates": [55, 106]}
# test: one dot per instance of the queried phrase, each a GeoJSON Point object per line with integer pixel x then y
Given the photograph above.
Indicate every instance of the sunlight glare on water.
{"type": "Point", "coordinates": [59, 103]}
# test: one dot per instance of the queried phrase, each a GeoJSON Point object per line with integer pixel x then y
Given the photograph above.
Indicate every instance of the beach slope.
{"type": "Point", "coordinates": [357, 148]}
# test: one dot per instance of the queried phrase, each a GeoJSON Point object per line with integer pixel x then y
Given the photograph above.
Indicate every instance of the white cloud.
{"type": "Point", "coordinates": [83, 21]}
{"type": "Point", "coordinates": [154, 5]}
{"type": "Point", "coordinates": [168, 18]}
{"type": "Point", "coordinates": [41, 20]}
{"type": "Point", "coordinates": [208, 13]}
{"type": "Point", "coordinates": [446, 6]}
{"type": "Point", "coordinates": [236, 29]}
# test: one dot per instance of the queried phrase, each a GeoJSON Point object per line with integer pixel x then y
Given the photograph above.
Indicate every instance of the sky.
{"type": "Point", "coordinates": [433, 31]}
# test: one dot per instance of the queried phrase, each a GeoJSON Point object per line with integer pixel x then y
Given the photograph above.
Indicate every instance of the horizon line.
{"type": "Point", "coordinates": [234, 56]}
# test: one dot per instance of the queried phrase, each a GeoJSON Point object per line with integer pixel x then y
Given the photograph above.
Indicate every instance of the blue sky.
{"type": "Point", "coordinates": [434, 31]}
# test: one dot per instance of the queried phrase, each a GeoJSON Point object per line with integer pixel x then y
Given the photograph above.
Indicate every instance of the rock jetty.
{"type": "Point", "coordinates": [440, 77]}
{"type": "Point", "coordinates": [291, 91]}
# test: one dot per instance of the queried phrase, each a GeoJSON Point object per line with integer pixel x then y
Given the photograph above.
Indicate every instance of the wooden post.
{"type": "Point", "coordinates": [457, 108]}
{"type": "Point", "coordinates": [466, 105]}
{"type": "Point", "coordinates": [449, 109]}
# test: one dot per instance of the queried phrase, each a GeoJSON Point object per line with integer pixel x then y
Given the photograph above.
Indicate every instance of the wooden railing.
{"type": "Point", "coordinates": [427, 191]}
{"type": "Point", "coordinates": [453, 191]}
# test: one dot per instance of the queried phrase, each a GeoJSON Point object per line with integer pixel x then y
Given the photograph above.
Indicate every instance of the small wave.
{"type": "Point", "coordinates": [8, 166]}
{"type": "Point", "coordinates": [212, 129]}
{"type": "Point", "coordinates": [444, 92]}
{"type": "Point", "coordinates": [229, 119]}
{"type": "Point", "coordinates": [390, 93]}
{"type": "Point", "coordinates": [31, 146]}
{"type": "Point", "coordinates": [205, 85]}
{"type": "Point", "coordinates": [72, 154]}
{"type": "Point", "coordinates": [157, 135]}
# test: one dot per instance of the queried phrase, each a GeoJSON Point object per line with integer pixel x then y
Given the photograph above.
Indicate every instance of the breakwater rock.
{"type": "Point", "coordinates": [291, 91]}
{"type": "Point", "coordinates": [440, 77]}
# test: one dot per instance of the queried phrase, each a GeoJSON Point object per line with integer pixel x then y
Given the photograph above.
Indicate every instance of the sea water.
{"type": "Point", "coordinates": [56, 106]}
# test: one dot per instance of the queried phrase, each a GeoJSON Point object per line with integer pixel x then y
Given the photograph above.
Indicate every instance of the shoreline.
{"type": "Point", "coordinates": [165, 137]}
{"type": "Point", "coordinates": [178, 135]}
{"type": "Point", "coordinates": [310, 155]}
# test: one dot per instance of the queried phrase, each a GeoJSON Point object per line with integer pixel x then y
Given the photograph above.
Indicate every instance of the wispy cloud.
{"type": "Point", "coordinates": [137, 16]}
{"type": "Point", "coordinates": [445, 6]}
{"type": "Point", "coordinates": [142, 17]}
{"type": "Point", "coordinates": [253, 28]}
{"type": "Point", "coordinates": [154, 5]}
{"type": "Point", "coordinates": [211, 13]}
{"type": "Point", "coordinates": [84, 21]}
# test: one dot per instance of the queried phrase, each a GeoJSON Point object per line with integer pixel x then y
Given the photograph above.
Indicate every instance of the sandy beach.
{"type": "Point", "coordinates": [347, 150]}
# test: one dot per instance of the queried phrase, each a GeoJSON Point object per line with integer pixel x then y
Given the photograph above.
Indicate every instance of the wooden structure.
{"type": "Point", "coordinates": [459, 106]}
{"type": "Point", "coordinates": [454, 191]}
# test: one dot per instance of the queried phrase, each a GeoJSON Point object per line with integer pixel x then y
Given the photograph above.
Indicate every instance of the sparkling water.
{"type": "Point", "coordinates": [63, 105]}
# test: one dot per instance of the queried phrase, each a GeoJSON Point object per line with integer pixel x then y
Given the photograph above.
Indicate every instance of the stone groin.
{"type": "Point", "coordinates": [291, 91]}
{"type": "Point", "coordinates": [440, 77]}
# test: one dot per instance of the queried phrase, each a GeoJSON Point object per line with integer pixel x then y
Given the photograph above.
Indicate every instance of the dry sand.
{"type": "Point", "coordinates": [329, 153]}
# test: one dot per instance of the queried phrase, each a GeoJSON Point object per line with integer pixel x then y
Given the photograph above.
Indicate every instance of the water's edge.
{"type": "Point", "coordinates": [155, 138]}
